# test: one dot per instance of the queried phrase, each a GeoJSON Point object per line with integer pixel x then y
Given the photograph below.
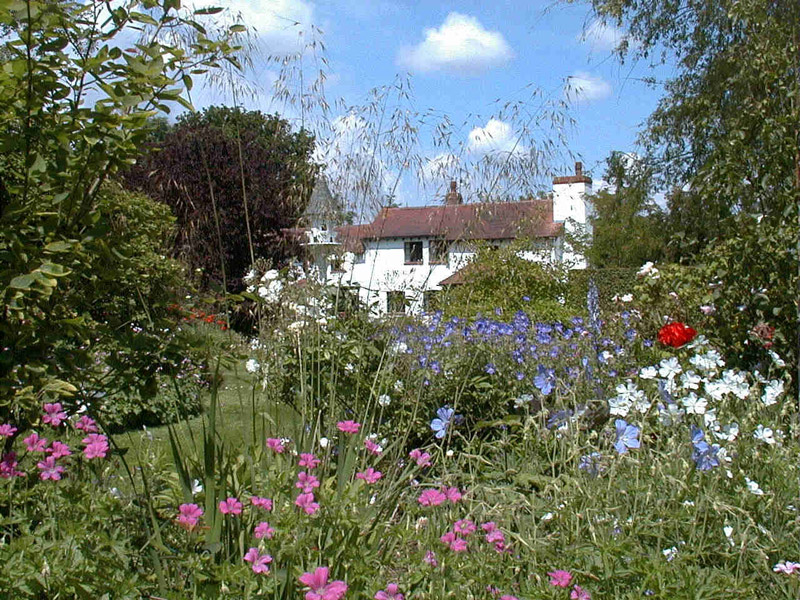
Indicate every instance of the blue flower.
{"type": "Point", "coordinates": [490, 369]}
{"type": "Point", "coordinates": [591, 463]}
{"type": "Point", "coordinates": [559, 419]}
{"type": "Point", "coordinates": [544, 381]}
{"type": "Point", "coordinates": [627, 436]}
{"type": "Point", "coordinates": [705, 456]}
{"type": "Point", "coordinates": [439, 425]}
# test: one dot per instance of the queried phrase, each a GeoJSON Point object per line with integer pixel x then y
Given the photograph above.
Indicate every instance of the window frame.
{"type": "Point", "coordinates": [442, 255]}
{"type": "Point", "coordinates": [408, 253]}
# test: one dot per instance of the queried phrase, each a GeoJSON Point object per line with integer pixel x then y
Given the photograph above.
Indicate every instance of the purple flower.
{"type": "Point", "coordinates": [627, 436]}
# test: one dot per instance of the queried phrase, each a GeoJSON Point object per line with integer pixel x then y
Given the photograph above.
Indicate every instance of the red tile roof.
{"type": "Point", "coordinates": [486, 221]}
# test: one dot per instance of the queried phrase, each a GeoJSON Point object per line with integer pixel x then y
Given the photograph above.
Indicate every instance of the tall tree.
{"type": "Point", "coordinates": [235, 179]}
{"type": "Point", "coordinates": [628, 226]}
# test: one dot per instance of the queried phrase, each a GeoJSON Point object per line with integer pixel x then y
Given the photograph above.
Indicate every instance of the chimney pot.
{"type": "Point", "coordinates": [453, 196]}
{"type": "Point", "coordinates": [579, 169]}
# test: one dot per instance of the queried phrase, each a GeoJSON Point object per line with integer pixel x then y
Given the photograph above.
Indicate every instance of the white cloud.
{"type": "Point", "coordinates": [279, 24]}
{"type": "Point", "coordinates": [582, 87]}
{"type": "Point", "coordinates": [460, 45]}
{"type": "Point", "coordinates": [497, 136]}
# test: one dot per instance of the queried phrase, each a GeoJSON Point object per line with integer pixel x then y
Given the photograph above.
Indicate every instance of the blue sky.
{"type": "Point", "coordinates": [465, 60]}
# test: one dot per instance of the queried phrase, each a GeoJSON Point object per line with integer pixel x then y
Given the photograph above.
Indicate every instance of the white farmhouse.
{"type": "Point", "coordinates": [400, 260]}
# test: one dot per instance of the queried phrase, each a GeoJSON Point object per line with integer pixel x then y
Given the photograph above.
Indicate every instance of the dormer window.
{"type": "Point", "coordinates": [413, 252]}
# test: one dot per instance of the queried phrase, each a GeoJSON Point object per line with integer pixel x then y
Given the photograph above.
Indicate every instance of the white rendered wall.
{"type": "Point", "coordinates": [571, 206]}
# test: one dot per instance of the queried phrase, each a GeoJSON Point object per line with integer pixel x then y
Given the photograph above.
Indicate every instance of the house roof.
{"type": "Point", "coordinates": [485, 221]}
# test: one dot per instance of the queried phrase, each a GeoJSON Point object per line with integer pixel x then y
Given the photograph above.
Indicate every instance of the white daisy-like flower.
{"type": "Point", "coordinates": [252, 365]}
{"type": "Point", "coordinates": [753, 487]}
{"type": "Point", "coordinates": [737, 382]}
{"type": "Point", "coordinates": [772, 391]}
{"type": "Point", "coordinates": [384, 400]}
{"type": "Point", "coordinates": [642, 404]}
{"type": "Point", "coordinates": [690, 380]}
{"type": "Point", "coordinates": [648, 373]}
{"type": "Point", "coordinates": [694, 405]}
{"type": "Point", "coordinates": [764, 434]}
{"type": "Point", "coordinates": [669, 368]}
{"type": "Point", "coordinates": [619, 405]}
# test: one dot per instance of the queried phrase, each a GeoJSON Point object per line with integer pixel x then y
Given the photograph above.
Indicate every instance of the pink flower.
{"type": "Point", "coordinates": [452, 494]}
{"type": "Point", "coordinates": [423, 459]}
{"type": "Point", "coordinates": [348, 426]}
{"type": "Point", "coordinates": [560, 578]}
{"type": "Point", "coordinates": [189, 515]}
{"type": "Point", "coordinates": [259, 561]}
{"type": "Point", "coordinates": [306, 482]}
{"type": "Point", "coordinates": [431, 498]}
{"type": "Point", "coordinates": [59, 450]}
{"type": "Point", "coordinates": [259, 502]}
{"type": "Point", "coordinates": [319, 588]}
{"type": "Point", "coordinates": [33, 443]}
{"type": "Point", "coordinates": [7, 430]}
{"type": "Point", "coordinates": [578, 593]}
{"type": "Point", "coordinates": [500, 547]}
{"type": "Point", "coordinates": [8, 466]}
{"type": "Point", "coordinates": [86, 424]}
{"type": "Point", "coordinates": [306, 502]}
{"type": "Point", "coordinates": [430, 558]}
{"type": "Point", "coordinates": [263, 530]}
{"type": "Point", "coordinates": [275, 445]}
{"type": "Point", "coordinates": [495, 537]}
{"type": "Point", "coordinates": [50, 470]}
{"type": "Point", "coordinates": [448, 538]}
{"type": "Point", "coordinates": [54, 414]}
{"type": "Point", "coordinates": [459, 545]}
{"type": "Point", "coordinates": [309, 461]}
{"type": "Point", "coordinates": [489, 527]}
{"type": "Point", "coordinates": [230, 506]}
{"type": "Point", "coordinates": [96, 445]}
{"type": "Point", "coordinates": [372, 447]}
{"type": "Point", "coordinates": [370, 475]}
{"type": "Point", "coordinates": [392, 592]}
{"type": "Point", "coordinates": [787, 567]}
{"type": "Point", "coordinates": [464, 527]}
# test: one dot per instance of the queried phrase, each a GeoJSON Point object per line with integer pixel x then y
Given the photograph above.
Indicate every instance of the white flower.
{"type": "Point", "coordinates": [728, 531]}
{"type": "Point", "coordinates": [690, 380]}
{"type": "Point", "coordinates": [323, 442]}
{"type": "Point", "coordinates": [772, 392]}
{"type": "Point", "coordinates": [547, 517]}
{"type": "Point", "coordinates": [384, 400]}
{"type": "Point", "coordinates": [737, 382]}
{"type": "Point", "coordinates": [296, 327]}
{"type": "Point", "coordinates": [252, 365]}
{"type": "Point", "coordinates": [710, 419]}
{"type": "Point", "coordinates": [728, 433]}
{"type": "Point", "coordinates": [255, 344]}
{"type": "Point", "coordinates": [270, 275]}
{"type": "Point", "coordinates": [648, 373]}
{"type": "Point", "coordinates": [619, 405]}
{"type": "Point", "coordinates": [671, 414]}
{"type": "Point", "coordinates": [642, 404]}
{"type": "Point", "coordinates": [753, 487]}
{"type": "Point", "coordinates": [251, 276]}
{"type": "Point", "coordinates": [349, 367]}
{"type": "Point", "coordinates": [670, 553]}
{"type": "Point", "coordinates": [694, 405]}
{"type": "Point", "coordinates": [708, 361]}
{"type": "Point", "coordinates": [716, 389]}
{"type": "Point", "coordinates": [399, 348]}
{"type": "Point", "coordinates": [251, 289]}
{"type": "Point", "coordinates": [776, 359]}
{"type": "Point", "coordinates": [398, 386]}
{"type": "Point", "coordinates": [708, 309]}
{"type": "Point", "coordinates": [523, 400]}
{"type": "Point", "coordinates": [669, 368]}
{"type": "Point", "coordinates": [648, 268]}
{"type": "Point", "coordinates": [197, 487]}
{"type": "Point", "coordinates": [764, 434]}
{"type": "Point", "coordinates": [627, 298]}
{"type": "Point", "coordinates": [449, 453]}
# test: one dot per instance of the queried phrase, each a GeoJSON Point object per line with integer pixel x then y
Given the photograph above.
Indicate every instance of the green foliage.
{"type": "Point", "coordinates": [78, 280]}
{"type": "Point", "coordinates": [627, 226]}
{"type": "Point", "coordinates": [500, 278]}
{"type": "Point", "coordinates": [235, 180]}
{"type": "Point", "coordinates": [611, 283]}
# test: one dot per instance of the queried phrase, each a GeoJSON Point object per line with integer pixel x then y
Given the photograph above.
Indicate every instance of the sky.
{"type": "Point", "coordinates": [478, 80]}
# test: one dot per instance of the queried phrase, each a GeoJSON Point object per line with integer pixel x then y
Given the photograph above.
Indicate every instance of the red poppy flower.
{"type": "Point", "coordinates": [676, 334]}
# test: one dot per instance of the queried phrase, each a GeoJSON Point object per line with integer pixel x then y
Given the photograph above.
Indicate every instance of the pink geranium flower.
{"type": "Point", "coordinates": [59, 450]}
{"type": "Point", "coordinates": [276, 445]}
{"type": "Point", "coordinates": [370, 475]}
{"type": "Point", "coordinates": [319, 588]}
{"type": "Point", "coordinates": [464, 527]}
{"type": "Point", "coordinates": [189, 515]}
{"type": "Point", "coordinates": [230, 506]}
{"type": "Point", "coordinates": [54, 414]}
{"type": "Point", "coordinates": [495, 536]}
{"type": "Point", "coordinates": [348, 426]}
{"type": "Point", "coordinates": [452, 494]}
{"type": "Point", "coordinates": [8, 466]}
{"type": "Point", "coordinates": [430, 558]}
{"type": "Point", "coordinates": [309, 461]}
{"type": "Point", "coordinates": [257, 560]}
{"type": "Point", "coordinates": [86, 424]}
{"type": "Point", "coordinates": [7, 430]}
{"type": "Point", "coordinates": [423, 459]}
{"type": "Point", "coordinates": [306, 482]}
{"type": "Point", "coordinates": [372, 447]}
{"type": "Point", "coordinates": [578, 593]}
{"type": "Point", "coordinates": [560, 578]}
{"type": "Point", "coordinates": [489, 527]}
{"type": "Point", "coordinates": [49, 469]}
{"type": "Point", "coordinates": [33, 443]}
{"type": "Point", "coordinates": [392, 592]}
{"type": "Point", "coordinates": [263, 530]}
{"type": "Point", "coordinates": [431, 498]}
{"type": "Point", "coordinates": [307, 503]}
{"type": "Point", "coordinates": [259, 502]}
{"type": "Point", "coordinates": [96, 445]}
